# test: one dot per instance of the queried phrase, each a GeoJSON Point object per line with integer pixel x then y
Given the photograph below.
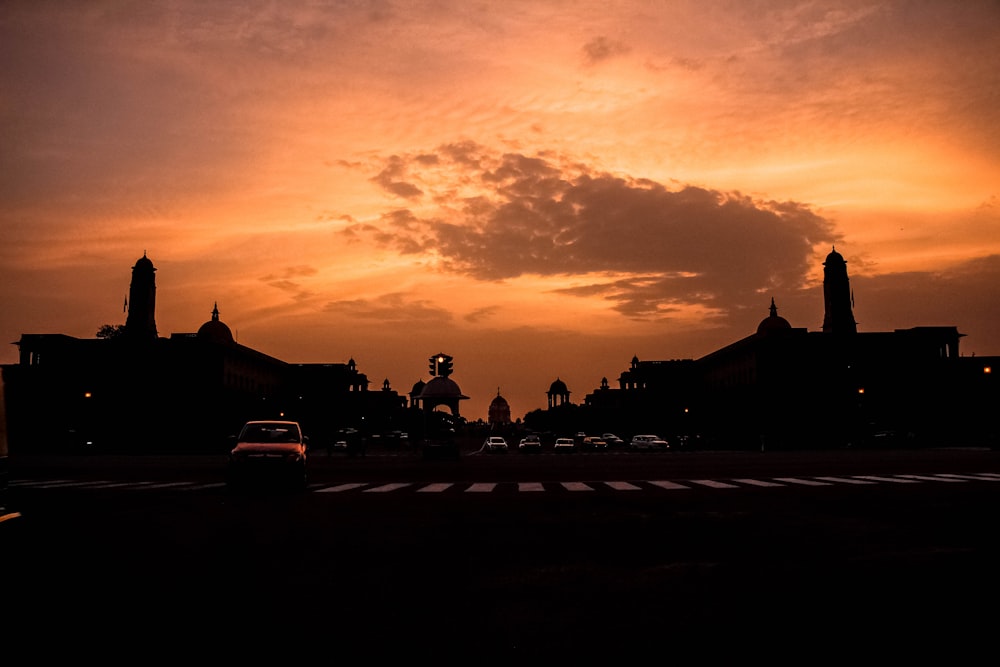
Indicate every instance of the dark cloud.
{"type": "Point", "coordinates": [657, 248]}
{"type": "Point", "coordinates": [389, 177]}
{"type": "Point", "coordinates": [966, 295]}
{"type": "Point", "coordinates": [601, 48]}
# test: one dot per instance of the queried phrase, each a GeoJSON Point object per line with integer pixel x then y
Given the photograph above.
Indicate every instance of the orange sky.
{"type": "Point", "coordinates": [540, 189]}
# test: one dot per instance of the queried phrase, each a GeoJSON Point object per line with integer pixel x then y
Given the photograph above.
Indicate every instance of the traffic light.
{"type": "Point", "coordinates": [444, 365]}
{"type": "Point", "coordinates": [440, 365]}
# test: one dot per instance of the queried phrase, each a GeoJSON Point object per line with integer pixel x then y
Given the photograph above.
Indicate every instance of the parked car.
{"type": "Point", "coordinates": [564, 445]}
{"type": "Point", "coordinates": [612, 440]}
{"type": "Point", "coordinates": [648, 442]}
{"type": "Point", "coordinates": [495, 444]}
{"type": "Point", "coordinates": [269, 452]}
{"type": "Point", "coordinates": [530, 444]}
{"type": "Point", "coordinates": [593, 442]}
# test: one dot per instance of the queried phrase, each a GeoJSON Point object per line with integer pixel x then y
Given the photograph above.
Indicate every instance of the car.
{"type": "Point", "coordinates": [529, 444]}
{"type": "Point", "coordinates": [593, 442]}
{"type": "Point", "coordinates": [268, 452]}
{"type": "Point", "coordinates": [564, 445]}
{"type": "Point", "coordinates": [612, 440]}
{"type": "Point", "coordinates": [648, 442]}
{"type": "Point", "coordinates": [495, 444]}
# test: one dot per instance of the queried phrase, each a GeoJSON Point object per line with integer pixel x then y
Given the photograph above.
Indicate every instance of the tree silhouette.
{"type": "Point", "coordinates": [111, 330]}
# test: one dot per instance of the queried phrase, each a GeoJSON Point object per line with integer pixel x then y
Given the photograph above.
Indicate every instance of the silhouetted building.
{"type": "Point", "coordinates": [499, 411]}
{"type": "Point", "coordinates": [838, 300]}
{"type": "Point", "coordinates": [791, 388]}
{"type": "Point", "coordinates": [138, 391]}
{"type": "Point", "coordinates": [558, 393]}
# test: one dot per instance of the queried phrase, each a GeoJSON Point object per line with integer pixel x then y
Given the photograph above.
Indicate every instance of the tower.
{"type": "Point", "coordinates": [837, 299]}
{"type": "Point", "coordinates": [141, 321]}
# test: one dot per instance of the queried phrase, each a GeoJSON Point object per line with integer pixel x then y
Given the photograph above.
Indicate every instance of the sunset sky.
{"type": "Point", "coordinates": [541, 189]}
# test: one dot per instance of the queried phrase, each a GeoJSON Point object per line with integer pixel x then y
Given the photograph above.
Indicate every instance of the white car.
{"type": "Point", "coordinates": [648, 442]}
{"type": "Point", "coordinates": [565, 445]}
{"type": "Point", "coordinates": [266, 452]}
{"type": "Point", "coordinates": [529, 444]}
{"type": "Point", "coordinates": [495, 444]}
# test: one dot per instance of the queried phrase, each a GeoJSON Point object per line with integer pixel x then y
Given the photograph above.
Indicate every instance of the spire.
{"type": "Point", "coordinates": [215, 312]}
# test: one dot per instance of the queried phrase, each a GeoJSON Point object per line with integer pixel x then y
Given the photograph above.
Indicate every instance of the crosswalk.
{"type": "Point", "coordinates": [624, 486]}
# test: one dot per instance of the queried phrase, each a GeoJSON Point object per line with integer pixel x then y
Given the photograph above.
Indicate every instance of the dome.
{"type": "Point", "coordinates": [216, 331]}
{"type": "Point", "coordinates": [441, 387]}
{"type": "Point", "coordinates": [773, 322]}
{"type": "Point", "coordinates": [418, 387]}
{"type": "Point", "coordinates": [558, 387]}
{"type": "Point", "coordinates": [835, 257]}
{"type": "Point", "coordinates": [499, 401]}
{"type": "Point", "coordinates": [144, 263]}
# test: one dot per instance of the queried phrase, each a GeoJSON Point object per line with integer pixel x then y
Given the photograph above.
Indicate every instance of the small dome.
{"type": "Point", "coordinates": [499, 401]}
{"type": "Point", "coordinates": [441, 387]}
{"type": "Point", "coordinates": [216, 331]}
{"type": "Point", "coordinates": [418, 387]}
{"type": "Point", "coordinates": [144, 264]}
{"type": "Point", "coordinates": [835, 257]}
{"type": "Point", "coordinates": [558, 387]}
{"type": "Point", "coordinates": [773, 322]}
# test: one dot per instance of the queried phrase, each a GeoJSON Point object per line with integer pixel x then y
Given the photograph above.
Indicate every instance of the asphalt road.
{"type": "Point", "coordinates": [796, 557]}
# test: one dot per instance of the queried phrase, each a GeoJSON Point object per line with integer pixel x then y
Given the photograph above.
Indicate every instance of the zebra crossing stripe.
{"type": "Point", "coordinates": [897, 480]}
{"type": "Point", "coordinates": [435, 488]}
{"type": "Point", "coordinates": [845, 480]}
{"type": "Point", "coordinates": [576, 486]}
{"type": "Point", "coordinates": [384, 488]}
{"type": "Point", "coordinates": [929, 478]}
{"type": "Point", "coordinates": [164, 485]}
{"type": "Point", "coordinates": [623, 486]}
{"type": "Point", "coordinates": [804, 482]}
{"type": "Point", "coordinates": [757, 482]}
{"type": "Point", "coordinates": [340, 487]}
{"type": "Point", "coordinates": [530, 486]}
{"type": "Point", "coordinates": [481, 487]}
{"type": "Point", "coordinates": [668, 485]}
{"type": "Point", "coordinates": [712, 484]}
{"type": "Point", "coordinates": [984, 477]}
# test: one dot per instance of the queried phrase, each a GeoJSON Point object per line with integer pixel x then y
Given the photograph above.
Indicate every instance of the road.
{"type": "Point", "coordinates": [789, 557]}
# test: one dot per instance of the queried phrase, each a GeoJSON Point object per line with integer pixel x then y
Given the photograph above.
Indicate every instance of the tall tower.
{"type": "Point", "coordinates": [141, 321]}
{"type": "Point", "coordinates": [837, 298]}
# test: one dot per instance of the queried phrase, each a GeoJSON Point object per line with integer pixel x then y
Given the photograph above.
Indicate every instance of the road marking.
{"type": "Point", "coordinates": [845, 480]}
{"type": "Point", "coordinates": [68, 485]}
{"type": "Point", "coordinates": [713, 484]}
{"type": "Point", "coordinates": [202, 487]}
{"type": "Point", "coordinates": [384, 488]}
{"type": "Point", "coordinates": [340, 487]}
{"type": "Point", "coordinates": [929, 478]}
{"type": "Point", "coordinates": [897, 480]}
{"type": "Point", "coordinates": [756, 482]}
{"type": "Point", "coordinates": [576, 486]}
{"type": "Point", "coordinates": [623, 486]}
{"type": "Point", "coordinates": [804, 482]}
{"type": "Point", "coordinates": [984, 477]}
{"type": "Point", "coordinates": [481, 487]}
{"type": "Point", "coordinates": [435, 488]}
{"type": "Point", "coordinates": [668, 485]}
{"type": "Point", "coordinates": [530, 486]}
{"type": "Point", "coordinates": [164, 485]}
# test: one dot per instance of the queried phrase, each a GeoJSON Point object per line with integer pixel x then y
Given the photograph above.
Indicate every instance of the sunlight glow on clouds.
{"type": "Point", "coordinates": [564, 184]}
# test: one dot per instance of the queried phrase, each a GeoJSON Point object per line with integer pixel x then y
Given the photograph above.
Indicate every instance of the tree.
{"type": "Point", "coordinates": [111, 330]}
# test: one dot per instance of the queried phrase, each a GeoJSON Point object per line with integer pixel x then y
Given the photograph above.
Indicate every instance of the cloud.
{"type": "Point", "coordinates": [601, 48]}
{"type": "Point", "coordinates": [392, 310]}
{"type": "Point", "coordinates": [645, 248]}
